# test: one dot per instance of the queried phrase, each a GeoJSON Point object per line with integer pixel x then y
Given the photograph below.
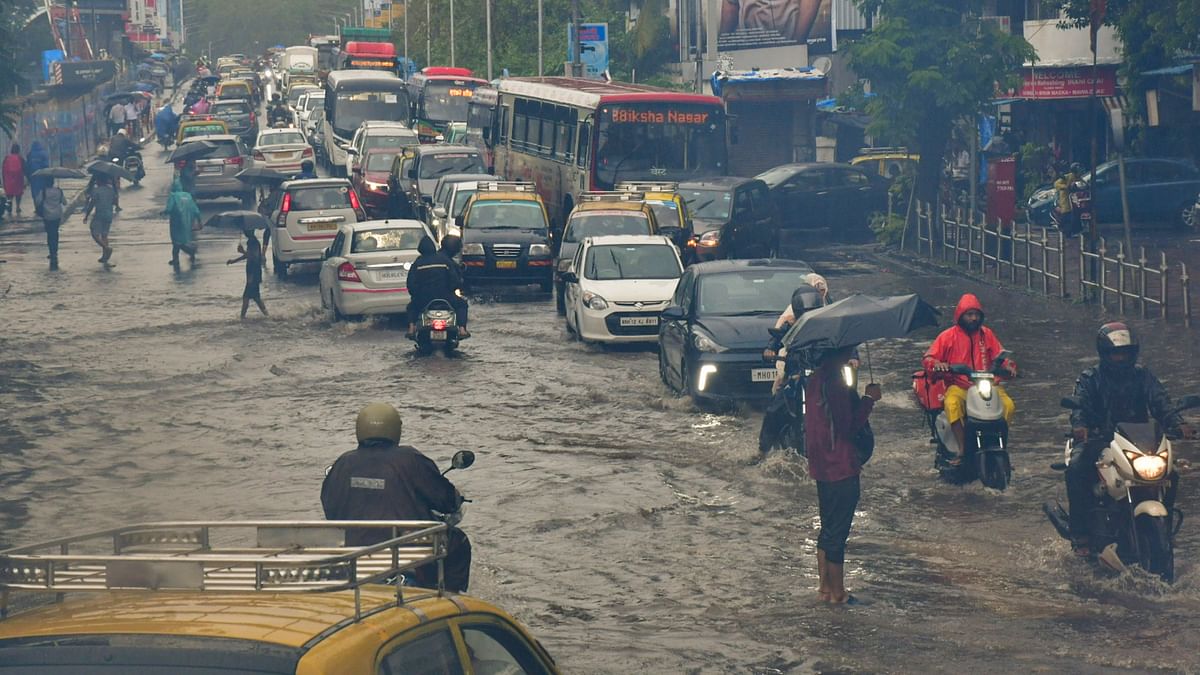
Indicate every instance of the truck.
{"type": "Point", "coordinates": [348, 34]}
{"type": "Point", "coordinates": [298, 60]}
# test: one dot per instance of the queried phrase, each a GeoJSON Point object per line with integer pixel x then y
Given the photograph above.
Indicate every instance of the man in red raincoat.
{"type": "Point", "coordinates": [970, 343]}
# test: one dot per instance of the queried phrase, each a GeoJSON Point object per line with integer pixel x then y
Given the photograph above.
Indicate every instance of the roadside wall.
{"type": "Point", "coordinates": [69, 127]}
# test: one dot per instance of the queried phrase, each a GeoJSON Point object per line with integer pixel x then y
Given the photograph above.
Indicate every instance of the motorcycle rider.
{"type": "Point", "coordinates": [435, 277]}
{"type": "Point", "coordinates": [120, 147]}
{"type": "Point", "coordinates": [970, 343]}
{"type": "Point", "coordinates": [166, 124]}
{"type": "Point", "coordinates": [1114, 391]}
{"type": "Point", "coordinates": [1063, 187]}
{"type": "Point", "coordinates": [307, 170]}
{"type": "Point", "coordinates": [383, 480]}
{"type": "Point", "coordinates": [804, 298]}
{"type": "Point", "coordinates": [279, 111]}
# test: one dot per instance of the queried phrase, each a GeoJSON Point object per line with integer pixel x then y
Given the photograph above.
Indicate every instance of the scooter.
{"type": "Point", "coordinates": [1080, 217]}
{"type": "Point", "coordinates": [438, 328]}
{"type": "Point", "coordinates": [984, 427]}
{"type": "Point", "coordinates": [1133, 521]}
{"type": "Point", "coordinates": [133, 164]}
{"type": "Point", "coordinates": [166, 140]}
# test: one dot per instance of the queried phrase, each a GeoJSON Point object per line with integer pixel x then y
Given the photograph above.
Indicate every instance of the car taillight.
{"type": "Point", "coordinates": [354, 203]}
{"type": "Point", "coordinates": [283, 210]}
{"type": "Point", "coordinates": [346, 272]}
{"type": "Point", "coordinates": [439, 324]}
{"type": "Point", "coordinates": [308, 152]}
{"type": "Point", "coordinates": [258, 155]}
{"type": "Point", "coordinates": [252, 118]}
{"type": "Point", "coordinates": [236, 161]}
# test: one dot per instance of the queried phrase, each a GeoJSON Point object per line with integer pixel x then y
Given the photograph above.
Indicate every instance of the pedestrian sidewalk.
{"type": "Point", "coordinates": [27, 221]}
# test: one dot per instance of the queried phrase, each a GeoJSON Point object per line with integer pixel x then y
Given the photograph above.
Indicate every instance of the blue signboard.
{"type": "Point", "coordinates": [49, 56]}
{"type": "Point", "coordinates": [593, 37]}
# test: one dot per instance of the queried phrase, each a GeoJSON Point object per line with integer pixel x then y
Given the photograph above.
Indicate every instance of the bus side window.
{"type": "Point", "coordinates": [585, 139]}
{"type": "Point", "coordinates": [547, 147]}
{"type": "Point", "coordinates": [503, 124]}
{"type": "Point", "coordinates": [518, 132]}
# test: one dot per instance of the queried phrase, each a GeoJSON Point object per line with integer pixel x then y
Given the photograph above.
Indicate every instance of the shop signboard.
{"type": "Point", "coordinates": [1075, 82]}
{"type": "Point", "coordinates": [1002, 189]}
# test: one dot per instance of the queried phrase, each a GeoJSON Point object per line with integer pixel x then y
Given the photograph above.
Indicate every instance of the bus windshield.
{"type": "Point", "coordinates": [353, 108]}
{"type": "Point", "coordinates": [446, 101]}
{"type": "Point", "coordinates": [659, 141]}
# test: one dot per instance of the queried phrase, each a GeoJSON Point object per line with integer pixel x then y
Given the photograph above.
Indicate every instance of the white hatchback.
{"type": "Point", "coordinates": [617, 286]}
{"type": "Point", "coordinates": [365, 269]}
{"type": "Point", "coordinates": [282, 150]}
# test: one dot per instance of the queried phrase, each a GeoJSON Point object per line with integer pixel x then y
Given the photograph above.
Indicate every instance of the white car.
{"type": "Point", "coordinates": [282, 150]}
{"type": "Point", "coordinates": [365, 269]}
{"type": "Point", "coordinates": [309, 101]}
{"type": "Point", "coordinates": [617, 286]}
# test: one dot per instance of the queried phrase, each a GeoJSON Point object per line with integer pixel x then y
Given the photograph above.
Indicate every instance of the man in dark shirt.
{"type": "Point", "coordinates": [435, 277]}
{"type": "Point", "coordinates": [383, 480]}
{"type": "Point", "coordinates": [252, 253]}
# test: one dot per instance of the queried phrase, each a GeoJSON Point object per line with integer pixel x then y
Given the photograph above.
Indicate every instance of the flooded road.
{"type": "Point", "coordinates": [620, 523]}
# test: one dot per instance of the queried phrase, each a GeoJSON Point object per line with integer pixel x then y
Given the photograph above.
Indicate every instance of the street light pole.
{"type": "Point", "coordinates": [452, 33]}
{"type": "Point", "coordinates": [428, 34]}
{"type": "Point", "coordinates": [488, 17]}
{"type": "Point", "coordinates": [541, 66]}
{"type": "Point", "coordinates": [577, 52]}
{"type": "Point", "coordinates": [406, 61]}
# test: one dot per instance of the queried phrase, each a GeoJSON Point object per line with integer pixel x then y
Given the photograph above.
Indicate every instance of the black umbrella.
{"type": "Point", "coordinates": [192, 150]}
{"type": "Point", "coordinates": [860, 318]}
{"type": "Point", "coordinates": [257, 175]}
{"type": "Point", "coordinates": [109, 169]}
{"type": "Point", "coordinates": [239, 220]}
{"type": "Point", "coordinates": [59, 172]}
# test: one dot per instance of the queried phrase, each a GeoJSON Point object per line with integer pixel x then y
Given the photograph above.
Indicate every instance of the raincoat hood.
{"type": "Point", "coordinates": [426, 247]}
{"type": "Point", "coordinates": [967, 303]}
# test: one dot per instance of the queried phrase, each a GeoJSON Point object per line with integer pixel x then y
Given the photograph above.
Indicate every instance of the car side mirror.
{"type": "Point", "coordinates": [569, 277]}
{"type": "Point", "coordinates": [439, 211]}
{"type": "Point", "coordinates": [412, 174]}
{"type": "Point", "coordinates": [673, 313]}
{"type": "Point", "coordinates": [327, 254]}
{"type": "Point", "coordinates": [458, 222]}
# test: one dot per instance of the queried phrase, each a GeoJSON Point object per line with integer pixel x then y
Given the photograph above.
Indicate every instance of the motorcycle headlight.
{"type": "Point", "coordinates": [848, 375]}
{"type": "Point", "coordinates": [472, 249]}
{"type": "Point", "coordinates": [705, 342]}
{"type": "Point", "coordinates": [1150, 467]}
{"type": "Point", "coordinates": [593, 301]}
{"type": "Point", "coordinates": [539, 250]}
{"type": "Point", "coordinates": [985, 389]}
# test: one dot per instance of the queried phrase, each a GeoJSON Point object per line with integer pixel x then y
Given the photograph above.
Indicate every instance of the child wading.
{"type": "Point", "coordinates": [252, 253]}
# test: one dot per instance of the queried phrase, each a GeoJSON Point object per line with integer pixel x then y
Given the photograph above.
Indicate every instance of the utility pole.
{"type": "Point", "coordinates": [452, 33]}
{"type": "Point", "coordinates": [541, 68]}
{"type": "Point", "coordinates": [577, 56]}
{"type": "Point", "coordinates": [428, 35]}
{"type": "Point", "coordinates": [487, 5]}
{"type": "Point", "coordinates": [406, 61]}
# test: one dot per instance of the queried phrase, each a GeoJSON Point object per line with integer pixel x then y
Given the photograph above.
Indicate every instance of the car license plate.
{"type": "Point", "coordinates": [506, 264]}
{"type": "Point", "coordinates": [762, 374]}
{"type": "Point", "coordinates": [317, 227]}
{"type": "Point", "coordinates": [639, 321]}
{"type": "Point", "coordinates": [211, 169]}
{"type": "Point", "coordinates": [437, 335]}
{"type": "Point", "coordinates": [392, 275]}
{"type": "Point", "coordinates": [282, 155]}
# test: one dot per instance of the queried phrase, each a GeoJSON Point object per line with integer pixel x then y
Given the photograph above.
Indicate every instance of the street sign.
{"type": "Point", "coordinates": [593, 37]}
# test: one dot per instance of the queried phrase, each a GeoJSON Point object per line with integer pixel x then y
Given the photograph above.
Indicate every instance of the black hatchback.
{"type": "Point", "coordinates": [731, 217]}
{"type": "Point", "coordinates": [824, 201]}
{"type": "Point", "coordinates": [711, 336]}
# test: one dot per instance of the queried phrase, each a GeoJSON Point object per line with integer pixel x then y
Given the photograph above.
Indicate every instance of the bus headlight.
{"type": "Point", "coordinates": [985, 389]}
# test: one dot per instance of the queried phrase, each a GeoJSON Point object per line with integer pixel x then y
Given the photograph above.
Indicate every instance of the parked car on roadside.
{"type": "Point", "coordinates": [216, 172]}
{"type": "Point", "coordinates": [616, 287]}
{"type": "Point", "coordinates": [365, 269]}
{"type": "Point", "coordinates": [732, 217]}
{"type": "Point", "coordinates": [711, 337]}
{"type": "Point", "coordinates": [827, 202]}
{"type": "Point", "coordinates": [1159, 191]}
{"type": "Point", "coordinates": [305, 216]}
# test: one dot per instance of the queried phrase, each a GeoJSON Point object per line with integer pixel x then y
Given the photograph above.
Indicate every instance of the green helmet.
{"type": "Point", "coordinates": [378, 422]}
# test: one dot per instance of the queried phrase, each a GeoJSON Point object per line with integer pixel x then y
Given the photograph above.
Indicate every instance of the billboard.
{"type": "Point", "coordinates": [593, 39]}
{"type": "Point", "coordinates": [761, 24]}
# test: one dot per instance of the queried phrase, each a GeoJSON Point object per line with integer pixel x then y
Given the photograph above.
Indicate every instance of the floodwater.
{"type": "Point", "coordinates": [617, 521]}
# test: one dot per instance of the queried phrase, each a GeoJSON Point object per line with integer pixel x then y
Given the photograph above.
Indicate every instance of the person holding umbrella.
{"type": "Point", "coordinates": [51, 203]}
{"type": "Point", "coordinates": [35, 161]}
{"type": "Point", "coordinates": [102, 199]}
{"type": "Point", "coordinates": [252, 253]}
{"type": "Point", "coordinates": [184, 217]}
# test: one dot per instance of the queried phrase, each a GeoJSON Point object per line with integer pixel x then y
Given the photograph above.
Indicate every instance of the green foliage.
{"type": "Point", "coordinates": [931, 65]}
{"type": "Point", "coordinates": [13, 44]}
{"type": "Point", "coordinates": [1035, 158]}
{"type": "Point", "coordinates": [250, 26]}
{"type": "Point", "coordinates": [889, 230]}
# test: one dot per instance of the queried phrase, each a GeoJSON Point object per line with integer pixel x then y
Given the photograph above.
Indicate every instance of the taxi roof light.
{"type": "Point", "coordinates": [614, 196]}
{"type": "Point", "coordinates": [505, 186]}
{"type": "Point", "coordinates": [646, 186]}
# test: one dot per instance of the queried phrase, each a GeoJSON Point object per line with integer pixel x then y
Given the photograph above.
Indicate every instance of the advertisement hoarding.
{"type": "Point", "coordinates": [760, 24]}
{"type": "Point", "coordinates": [593, 37]}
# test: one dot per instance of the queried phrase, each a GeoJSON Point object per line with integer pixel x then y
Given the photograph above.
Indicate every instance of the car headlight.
{"type": "Point", "coordinates": [1149, 467]}
{"type": "Point", "coordinates": [705, 342]}
{"type": "Point", "coordinates": [539, 250]}
{"type": "Point", "coordinates": [371, 185]}
{"type": "Point", "coordinates": [710, 239]}
{"type": "Point", "coordinates": [472, 249]}
{"type": "Point", "coordinates": [985, 389]}
{"type": "Point", "coordinates": [593, 301]}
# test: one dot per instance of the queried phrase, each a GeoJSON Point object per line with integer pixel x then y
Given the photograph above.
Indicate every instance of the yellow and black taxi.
{"type": "Point", "coordinates": [600, 214]}
{"type": "Point", "coordinates": [506, 236]}
{"type": "Point", "coordinates": [670, 210]}
{"type": "Point", "coordinates": [270, 597]}
{"type": "Point", "coordinates": [887, 163]}
{"type": "Point", "coordinates": [191, 126]}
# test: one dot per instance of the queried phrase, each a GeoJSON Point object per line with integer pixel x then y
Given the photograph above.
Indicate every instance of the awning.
{"type": "Point", "coordinates": [1173, 70]}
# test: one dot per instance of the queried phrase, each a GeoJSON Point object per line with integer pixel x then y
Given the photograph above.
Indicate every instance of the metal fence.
{"type": "Point", "coordinates": [1040, 258]}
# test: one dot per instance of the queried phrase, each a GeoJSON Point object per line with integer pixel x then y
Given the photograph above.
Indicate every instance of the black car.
{"type": "Point", "coordinates": [711, 336]}
{"type": "Point", "coordinates": [731, 217]}
{"type": "Point", "coordinates": [827, 202]}
{"type": "Point", "coordinates": [238, 114]}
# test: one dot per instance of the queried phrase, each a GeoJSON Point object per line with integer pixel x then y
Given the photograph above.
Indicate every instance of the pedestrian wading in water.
{"type": "Point", "coordinates": [252, 253]}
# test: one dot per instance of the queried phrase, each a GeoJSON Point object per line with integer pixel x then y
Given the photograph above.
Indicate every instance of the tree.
{"type": "Point", "coordinates": [235, 25]}
{"type": "Point", "coordinates": [931, 66]}
{"type": "Point", "coordinates": [13, 17]}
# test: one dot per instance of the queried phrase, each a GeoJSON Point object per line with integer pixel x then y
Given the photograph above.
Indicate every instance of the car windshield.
{"type": "Point", "coordinates": [127, 654]}
{"type": "Point", "coordinates": [773, 177]}
{"type": "Point", "coordinates": [441, 164]}
{"type": "Point", "coordinates": [747, 292]}
{"type": "Point", "coordinates": [281, 139]}
{"type": "Point", "coordinates": [395, 239]}
{"type": "Point", "coordinates": [230, 109]}
{"type": "Point", "coordinates": [311, 102]}
{"type": "Point", "coordinates": [586, 225]}
{"type": "Point", "coordinates": [351, 109]}
{"type": "Point", "coordinates": [294, 94]}
{"type": "Point", "coordinates": [388, 141]}
{"type": "Point", "coordinates": [707, 204]}
{"type": "Point", "coordinates": [507, 215]}
{"type": "Point", "coordinates": [326, 197]}
{"type": "Point", "coordinates": [380, 161]}
{"type": "Point", "coordinates": [460, 200]}
{"type": "Point", "coordinates": [224, 150]}
{"type": "Point", "coordinates": [665, 212]}
{"type": "Point", "coordinates": [642, 261]}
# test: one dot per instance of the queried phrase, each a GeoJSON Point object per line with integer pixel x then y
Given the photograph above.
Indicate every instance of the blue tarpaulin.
{"type": "Point", "coordinates": [1173, 70]}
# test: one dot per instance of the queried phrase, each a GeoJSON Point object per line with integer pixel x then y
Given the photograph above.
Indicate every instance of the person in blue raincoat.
{"type": "Point", "coordinates": [184, 217]}
{"type": "Point", "coordinates": [166, 122]}
{"type": "Point", "coordinates": [37, 158]}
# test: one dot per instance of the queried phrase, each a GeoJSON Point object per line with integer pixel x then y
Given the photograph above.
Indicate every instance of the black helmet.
{"type": "Point", "coordinates": [1076, 168]}
{"type": "Point", "coordinates": [1117, 337]}
{"type": "Point", "coordinates": [275, 97]}
{"type": "Point", "coordinates": [306, 165]}
{"type": "Point", "coordinates": [804, 298]}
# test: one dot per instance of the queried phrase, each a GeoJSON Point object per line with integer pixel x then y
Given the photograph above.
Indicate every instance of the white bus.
{"type": "Point", "coordinates": [353, 97]}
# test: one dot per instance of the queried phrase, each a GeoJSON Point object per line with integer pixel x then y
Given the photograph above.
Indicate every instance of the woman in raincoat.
{"type": "Point", "coordinates": [37, 159]}
{"type": "Point", "coordinates": [185, 219]}
{"type": "Point", "coordinates": [14, 178]}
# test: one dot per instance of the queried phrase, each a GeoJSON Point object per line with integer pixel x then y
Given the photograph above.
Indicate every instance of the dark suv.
{"type": "Point", "coordinates": [732, 217]}
{"type": "Point", "coordinates": [239, 115]}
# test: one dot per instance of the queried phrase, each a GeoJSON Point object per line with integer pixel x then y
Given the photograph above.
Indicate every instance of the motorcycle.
{"type": "Point", "coordinates": [438, 328]}
{"type": "Point", "coordinates": [1133, 521]}
{"type": "Point", "coordinates": [984, 427]}
{"type": "Point", "coordinates": [132, 163]}
{"type": "Point", "coordinates": [783, 421]}
{"type": "Point", "coordinates": [166, 140]}
{"type": "Point", "coordinates": [1079, 219]}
